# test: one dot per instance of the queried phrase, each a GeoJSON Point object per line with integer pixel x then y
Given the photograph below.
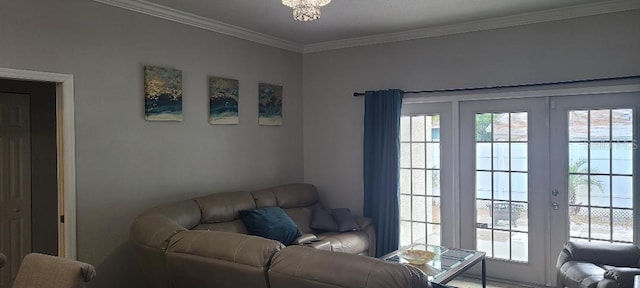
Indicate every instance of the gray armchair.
{"type": "Point", "coordinates": [597, 265]}
{"type": "Point", "coordinates": [44, 271]}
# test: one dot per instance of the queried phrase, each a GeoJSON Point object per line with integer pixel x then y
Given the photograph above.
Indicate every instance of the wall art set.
{"type": "Point", "coordinates": [163, 98]}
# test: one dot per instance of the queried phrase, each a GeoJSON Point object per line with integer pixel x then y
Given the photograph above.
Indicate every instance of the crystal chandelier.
{"type": "Point", "coordinates": [306, 10]}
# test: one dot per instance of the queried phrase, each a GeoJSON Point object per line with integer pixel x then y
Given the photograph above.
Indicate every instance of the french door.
{"type": "Point", "coordinates": [594, 169]}
{"type": "Point", "coordinates": [517, 178]}
{"type": "Point", "coordinates": [504, 161]}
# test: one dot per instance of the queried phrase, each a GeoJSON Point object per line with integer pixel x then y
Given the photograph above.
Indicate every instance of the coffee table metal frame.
{"type": "Point", "coordinates": [446, 274]}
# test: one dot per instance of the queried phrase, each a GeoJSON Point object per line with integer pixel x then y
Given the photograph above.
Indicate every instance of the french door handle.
{"type": "Point", "coordinates": [555, 206]}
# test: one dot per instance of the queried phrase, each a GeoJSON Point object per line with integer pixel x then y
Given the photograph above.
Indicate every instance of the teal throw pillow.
{"type": "Point", "coordinates": [272, 223]}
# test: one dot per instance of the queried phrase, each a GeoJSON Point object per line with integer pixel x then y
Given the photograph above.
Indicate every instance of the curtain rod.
{"type": "Point", "coordinates": [513, 86]}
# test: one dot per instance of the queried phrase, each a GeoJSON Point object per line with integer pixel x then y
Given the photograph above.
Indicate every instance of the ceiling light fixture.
{"type": "Point", "coordinates": [306, 10]}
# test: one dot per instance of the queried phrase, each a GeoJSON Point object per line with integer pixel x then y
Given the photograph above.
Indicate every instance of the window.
{"type": "Point", "coordinates": [420, 179]}
{"type": "Point", "coordinates": [501, 185]}
{"type": "Point", "coordinates": [600, 182]}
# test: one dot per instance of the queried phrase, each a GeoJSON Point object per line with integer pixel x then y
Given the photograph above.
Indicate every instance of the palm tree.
{"type": "Point", "coordinates": [579, 176]}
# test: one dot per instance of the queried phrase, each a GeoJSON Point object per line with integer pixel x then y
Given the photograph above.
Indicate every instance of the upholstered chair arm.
{"type": "Point", "coordinates": [563, 257]}
{"type": "Point", "coordinates": [623, 276]}
{"type": "Point", "coordinates": [225, 246]}
{"type": "Point", "coordinates": [363, 222]}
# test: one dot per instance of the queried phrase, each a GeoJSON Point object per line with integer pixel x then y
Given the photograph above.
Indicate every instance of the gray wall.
{"type": "Point", "coordinates": [125, 164]}
{"type": "Point", "coordinates": [582, 48]}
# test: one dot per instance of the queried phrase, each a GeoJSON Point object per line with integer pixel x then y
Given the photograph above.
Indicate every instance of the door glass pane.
{"type": "Point", "coordinates": [519, 158]}
{"type": "Point", "coordinates": [519, 187]}
{"type": "Point", "coordinates": [420, 179]}
{"type": "Point", "coordinates": [483, 156]}
{"type": "Point", "coordinates": [578, 125]}
{"type": "Point", "coordinates": [501, 156]}
{"type": "Point", "coordinates": [520, 242]}
{"type": "Point", "coordinates": [418, 183]}
{"type": "Point", "coordinates": [622, 187]}
{"type": "Point", "coordinates": [417, 155]}
{"type": "Point", "coordinates": [502, 185]}
{"type": "Point", "coordinates": [405, 128]}
{"type": "Point", "coordinates": [622, 124]}
{"type": "Point", "coordinates": [417, 129]}
{"type": "Point", "coordinates": [599, 157]}
{"type": "Point", "coordinates": [500, 127]}
{"type": "Point", "coordinates": [600, 125]}
{"type": "Point", "coordinates": [483, 127]}
{"type": "Point", "coordinates": [501, 188]}
{"type": "Point", "coordinates": [483, 185]}
{"type": "Point", "coordinates": [601, 175]}
{"type": "Point", "coordinates": [519, 126]}
{"type": "Point", "coordinates": [621, 158]}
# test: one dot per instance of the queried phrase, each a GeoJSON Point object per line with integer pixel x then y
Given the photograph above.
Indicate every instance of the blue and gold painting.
{"type": "Point", "coordinates": [223, 100]}
{"type": "Point", "coordinates": [270, 104]}
{"type": "Point", "coordinates": [162, 94]}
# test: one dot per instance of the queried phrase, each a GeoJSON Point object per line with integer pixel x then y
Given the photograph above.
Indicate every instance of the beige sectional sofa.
{"type": "Point", "coordinates": [203, 242]}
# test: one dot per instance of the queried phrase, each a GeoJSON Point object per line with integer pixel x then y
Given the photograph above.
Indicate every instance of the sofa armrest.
{"type": "Point", "coordinates": [563, 257]}
{"type": "Point", "coordinates": [366, 225]}
{"type": "Point", "coordinates": [622, 275]}
{"type": "Point", "coordinates": [230, 247]}
{"type": "Point", "coordinates": [154, 230]}
{"type": "Point", "coordinates": [363, 222]}
{"type": "Point", "coordinates": [614, 254]}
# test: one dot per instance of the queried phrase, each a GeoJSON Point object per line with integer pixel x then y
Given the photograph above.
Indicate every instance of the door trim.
{"type": "Point", "coordinates": [66, 150]}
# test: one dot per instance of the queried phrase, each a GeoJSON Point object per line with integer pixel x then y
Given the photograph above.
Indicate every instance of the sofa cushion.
{"type": "Point", "coordinates": [348, 242]}
{"type": "Point", "coordinates": [221, 207]}
{"type": "Point", "coordinates": [322, 220]}
{"type": "Point", "coordinates": [622, 275]}
{"type": "Point", "coordinates": [272, 223]}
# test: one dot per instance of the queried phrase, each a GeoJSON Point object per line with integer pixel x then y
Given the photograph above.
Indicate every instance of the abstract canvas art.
{"type": "Point", "coordinates": [270, 104]}
{"type": "Point", "coordinates": [162, 94]}
{"type": "Point", "coordinates": [223, 100]}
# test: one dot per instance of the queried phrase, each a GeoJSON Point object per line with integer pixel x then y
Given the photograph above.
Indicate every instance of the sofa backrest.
{"type": "Point", "coordinates": [221, 211]}
{"type": "Point", "coordinates": [296, 199]}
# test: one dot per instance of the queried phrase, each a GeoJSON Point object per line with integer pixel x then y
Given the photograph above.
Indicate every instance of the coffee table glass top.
{"type": "Point", "coordinates": [446, 264]}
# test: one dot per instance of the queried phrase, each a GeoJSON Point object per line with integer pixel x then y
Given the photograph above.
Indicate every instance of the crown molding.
{"type": "Point", "coordinates": [167, 13]}
{"type": "Point", "coordinates": [488, 24]}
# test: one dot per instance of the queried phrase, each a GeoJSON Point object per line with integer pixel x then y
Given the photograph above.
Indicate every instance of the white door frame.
{"type": "Point", "coordinates": [66, 149]}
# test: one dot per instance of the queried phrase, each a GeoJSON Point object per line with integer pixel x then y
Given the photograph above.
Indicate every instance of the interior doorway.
{"type": "Point", "coordinates": [65, 155]}
{"type": "Point", "coordinates": [28, 172]}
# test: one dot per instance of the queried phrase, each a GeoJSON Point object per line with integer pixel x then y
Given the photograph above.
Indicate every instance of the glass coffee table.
{"type": "Point", "coordinates": [447, 263]}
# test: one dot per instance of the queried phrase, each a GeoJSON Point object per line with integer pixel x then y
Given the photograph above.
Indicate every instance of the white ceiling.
{"type": "Point", "coordinates": [349, 19]}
